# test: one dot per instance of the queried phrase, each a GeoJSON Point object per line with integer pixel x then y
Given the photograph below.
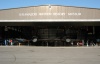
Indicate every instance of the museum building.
{"type": "Point", "coordinates": [52, 25]}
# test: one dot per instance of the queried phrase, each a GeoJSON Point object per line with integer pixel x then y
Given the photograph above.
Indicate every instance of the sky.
{"type": "Point", "coordinates": [6, 4]}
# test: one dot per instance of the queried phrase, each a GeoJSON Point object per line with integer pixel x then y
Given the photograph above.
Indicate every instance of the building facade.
{"type": "Point", "coordinates": [52, 24]}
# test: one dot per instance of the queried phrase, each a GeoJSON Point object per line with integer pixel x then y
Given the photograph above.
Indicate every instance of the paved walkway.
{"type": "Point", "coordinates": [49, 55]}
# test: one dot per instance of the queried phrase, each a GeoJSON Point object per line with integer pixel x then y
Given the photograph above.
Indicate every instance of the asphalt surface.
{"type": "Point", "coordinates": [49, 55]}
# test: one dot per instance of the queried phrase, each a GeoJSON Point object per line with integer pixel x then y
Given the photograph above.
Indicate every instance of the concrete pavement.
{"type": "Point", "coordinates": [49, 55]}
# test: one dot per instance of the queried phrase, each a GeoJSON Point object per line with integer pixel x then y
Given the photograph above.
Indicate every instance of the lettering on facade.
{"type": "Point", "coordinates": [49, 14]}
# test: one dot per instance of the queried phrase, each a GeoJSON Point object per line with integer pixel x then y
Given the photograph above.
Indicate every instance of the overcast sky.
{"type": "Point", "coordinates": [5, 4]}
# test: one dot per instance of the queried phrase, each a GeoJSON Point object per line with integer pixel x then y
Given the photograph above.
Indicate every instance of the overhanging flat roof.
{"type": "Point", "coordinates": [50, 23]}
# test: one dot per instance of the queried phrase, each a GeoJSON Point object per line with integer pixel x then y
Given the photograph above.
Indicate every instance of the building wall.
{"type": "Point", "coordinates": [49, 12]}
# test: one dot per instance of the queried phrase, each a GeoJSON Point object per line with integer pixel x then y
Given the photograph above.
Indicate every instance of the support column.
{"type": "Point", "coordinates": [93, 30]}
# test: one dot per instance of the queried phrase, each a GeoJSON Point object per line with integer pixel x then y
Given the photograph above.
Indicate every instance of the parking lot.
{"type": "Point", "coordinates": [49, 55]}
